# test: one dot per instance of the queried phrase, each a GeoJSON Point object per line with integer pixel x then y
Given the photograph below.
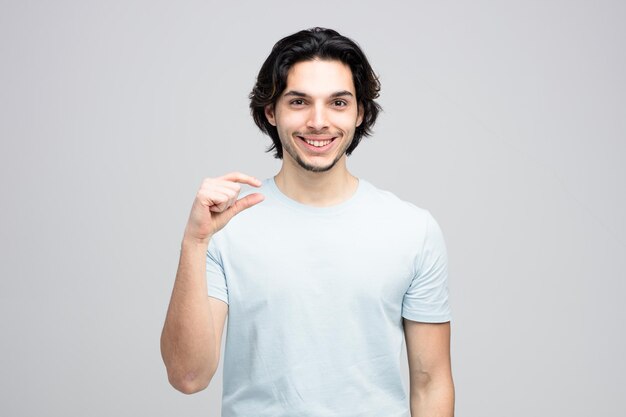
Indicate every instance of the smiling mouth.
{"type": "Point", "coordinates": [318, 143]}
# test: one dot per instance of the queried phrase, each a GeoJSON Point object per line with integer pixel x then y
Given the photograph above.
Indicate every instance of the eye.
{"type": "Point", "coordinates": [297, 102]}
{"type": "Point", "coordinates": [340, 103]}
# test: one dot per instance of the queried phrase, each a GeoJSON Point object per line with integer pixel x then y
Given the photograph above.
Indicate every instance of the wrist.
{"type": "Point", "coordinates": [193, 241]}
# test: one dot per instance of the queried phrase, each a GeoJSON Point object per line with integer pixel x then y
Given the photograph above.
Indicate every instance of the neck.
{"type": "Point", "coordinates": [318, 189]}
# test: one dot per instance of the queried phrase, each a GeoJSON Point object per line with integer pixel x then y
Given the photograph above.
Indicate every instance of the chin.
{"type": "Point", "coordinates": [317, 168]}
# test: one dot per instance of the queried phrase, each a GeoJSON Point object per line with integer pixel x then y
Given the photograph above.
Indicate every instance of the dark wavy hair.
{"type": "Point", "coordinates": [307, 45]}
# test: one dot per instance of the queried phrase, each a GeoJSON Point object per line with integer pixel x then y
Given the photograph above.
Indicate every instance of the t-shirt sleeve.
{"type": "Point", "coordinates": [426, 299]}
{"type": "Point", "coordinates": [216, 279]}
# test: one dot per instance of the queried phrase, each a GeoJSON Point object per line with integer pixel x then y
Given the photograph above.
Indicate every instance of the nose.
{"type": "Point", "coordinates": [317, 117]}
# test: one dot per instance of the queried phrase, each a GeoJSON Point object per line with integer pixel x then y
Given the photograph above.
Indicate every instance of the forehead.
{"type": "Point", "coordinates": [320, 77]}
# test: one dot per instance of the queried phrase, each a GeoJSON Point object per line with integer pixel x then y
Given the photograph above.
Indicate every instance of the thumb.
{"type": "Point", "coordinates": [244, 203]}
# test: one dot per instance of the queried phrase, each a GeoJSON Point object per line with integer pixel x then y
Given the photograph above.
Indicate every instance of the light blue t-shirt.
{"type": "Point", "coordinates": [316, 298]}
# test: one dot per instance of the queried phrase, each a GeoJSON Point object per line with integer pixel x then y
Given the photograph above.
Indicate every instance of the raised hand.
{"type": "Point", "coordinates": [216, 203]}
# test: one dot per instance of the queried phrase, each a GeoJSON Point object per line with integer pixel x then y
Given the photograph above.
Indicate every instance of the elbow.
{"type": "Point", "coordinates": [188, 378]}
{"type": "Point", "coordinates": [187, 387]}
{"type": "Point", "coordinates": [190, 383]}
{"type": "Point", "coordinates": [421, 380]}
{"type": "Point", "coordinates": [424, 382]}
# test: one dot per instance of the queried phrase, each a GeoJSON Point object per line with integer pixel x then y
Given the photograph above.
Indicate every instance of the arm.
{"type": "Point", "coordinates": [192, 333]}
{"type": "Point", "coordinates": [430, 374]}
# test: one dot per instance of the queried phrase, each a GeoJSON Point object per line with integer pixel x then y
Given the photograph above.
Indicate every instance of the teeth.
{"type": "Point", "coordinates": [318, 143]}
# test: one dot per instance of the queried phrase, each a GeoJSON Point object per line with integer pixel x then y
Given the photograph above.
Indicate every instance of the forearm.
{"type": "Point", "coordinates": [433, 399]}
{"type": "Point", "coordinates": [188, 341]}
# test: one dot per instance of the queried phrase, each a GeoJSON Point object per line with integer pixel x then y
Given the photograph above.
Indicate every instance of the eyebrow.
{"type": "Point", "coordinates": [342, 93]}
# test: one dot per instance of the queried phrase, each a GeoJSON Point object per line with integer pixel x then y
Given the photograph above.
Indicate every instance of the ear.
{"type": "Point", "coordinates": [269, 114]}
{"type": "Point", "coordinates": [361, 113]}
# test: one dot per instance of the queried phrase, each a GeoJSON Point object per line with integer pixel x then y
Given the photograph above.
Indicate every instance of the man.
{"type": "Point", "coordinates": [321, 273]}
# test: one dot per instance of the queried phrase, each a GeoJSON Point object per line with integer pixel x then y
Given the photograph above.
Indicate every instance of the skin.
{"type": "Point", "coordinates": [319, 103]}
{"type": "Point", "coordinates": [192, 333]}
{"type": "Point", "coordinates": [430, 371]}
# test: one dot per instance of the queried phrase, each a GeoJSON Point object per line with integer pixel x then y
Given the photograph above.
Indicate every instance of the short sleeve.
{"type": "Point", "coordinates": [216, 279]}
{"type": "Point", "coordinates": [426, 299]}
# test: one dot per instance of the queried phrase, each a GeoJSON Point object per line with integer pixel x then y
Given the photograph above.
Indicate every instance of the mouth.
{"type": "Point", "coordinates": [317, 143]}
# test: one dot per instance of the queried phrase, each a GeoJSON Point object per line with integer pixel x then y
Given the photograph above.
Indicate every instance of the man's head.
{"type": "Point", "coordinates": [315, 85]}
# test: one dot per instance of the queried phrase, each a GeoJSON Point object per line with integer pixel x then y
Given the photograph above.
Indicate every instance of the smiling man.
{"type": "Point", "coordinates": [292, 119]}
{"type": "Point", "coordinates": [322, 275]}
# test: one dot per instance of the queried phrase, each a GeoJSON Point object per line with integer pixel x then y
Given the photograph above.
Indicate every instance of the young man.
{"type": "Point", "coordinates": [321, 273]}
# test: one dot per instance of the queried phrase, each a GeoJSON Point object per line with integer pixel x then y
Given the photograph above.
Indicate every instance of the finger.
{"type": "Point", "coordinates": [216, 200]}
{"type": "Point", "coordinates": [241, 178]}
{"type": "Point", "coordinates": [230, 192]}
{"type": "Point", "coordinates": [234, 186]}
{"type": "Point", "coordinates": [246, 202]}
{"type": "Point", "coordinates": [214, 193]}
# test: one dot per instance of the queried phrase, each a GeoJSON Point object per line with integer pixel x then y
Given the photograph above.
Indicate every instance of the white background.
{"type": "Point", "coordinates": [507, 120]}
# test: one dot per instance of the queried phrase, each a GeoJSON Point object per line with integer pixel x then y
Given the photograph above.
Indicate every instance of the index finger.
{"type": "Point", "coordinates": [241, 178]}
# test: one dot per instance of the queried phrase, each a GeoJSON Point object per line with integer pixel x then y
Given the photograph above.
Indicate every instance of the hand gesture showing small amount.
{"type": "Point", "coordinates": [216, 203]}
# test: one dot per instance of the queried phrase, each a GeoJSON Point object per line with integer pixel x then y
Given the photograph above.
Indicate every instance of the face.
{"type": "Point", "coordinates": [317, 114]}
